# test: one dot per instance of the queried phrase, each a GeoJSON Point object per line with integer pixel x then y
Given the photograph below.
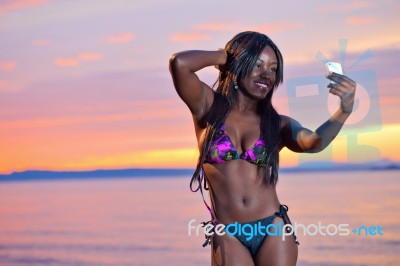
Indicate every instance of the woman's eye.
{"type": "Point", "coordinates": [272, 69]}
{"type": "Point", "coordinates": [258, 66]}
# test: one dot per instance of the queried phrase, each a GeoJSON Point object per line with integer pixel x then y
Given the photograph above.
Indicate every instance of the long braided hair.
{"type": "Point", "coordinates": [243, 50]}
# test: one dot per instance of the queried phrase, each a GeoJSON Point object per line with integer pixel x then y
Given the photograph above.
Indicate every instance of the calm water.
{"type": "Point", "coordinates": [144, 221]}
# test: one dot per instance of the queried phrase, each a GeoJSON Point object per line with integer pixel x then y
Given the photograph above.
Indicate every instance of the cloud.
{"type": "Point", "coordinates": [66, 62]}
{"type": "Point", "coordinates": [50, 109]}
{"type": "Point", "coordinates": [65, 121]}
{"type": "Point", "coordinates": [41, 42]}
{"type": "Point", "coordinates": [189, 37]}
{"type": "Point", "coordinates": [119, 38]}
{"type": "Point", "coordinates": [203, 31]}
{"type": "Point", "coordinates": [7, 65]}
{"type": "Point", "coordinates": [74, 61]}
{"type": "Point", "coordinates": [359, 20]}
{"type": "Point", "coordinates": [106, 91]}
{"type": "Point", "coordinates": [19, 4]}
{"type": "Point", "coordinates": [90, 56]}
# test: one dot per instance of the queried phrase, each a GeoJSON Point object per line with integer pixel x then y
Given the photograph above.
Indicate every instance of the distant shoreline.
{"type": "Point", "coordinates": [383, 165]}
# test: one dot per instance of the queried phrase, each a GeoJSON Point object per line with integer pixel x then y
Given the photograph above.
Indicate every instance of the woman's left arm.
{"type": "Point", "coordinates": [300, 139]}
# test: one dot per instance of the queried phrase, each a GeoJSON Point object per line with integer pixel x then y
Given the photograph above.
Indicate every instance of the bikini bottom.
{"type": "Point", "coordinates": [252, 236]}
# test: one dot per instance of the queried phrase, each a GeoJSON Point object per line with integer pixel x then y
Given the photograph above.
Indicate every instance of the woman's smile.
{"type": "Point", "coordinates": [262, 85]}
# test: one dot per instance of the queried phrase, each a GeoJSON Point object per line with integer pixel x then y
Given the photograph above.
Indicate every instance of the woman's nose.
{"type": "Point", "coordinates": [266, 73]}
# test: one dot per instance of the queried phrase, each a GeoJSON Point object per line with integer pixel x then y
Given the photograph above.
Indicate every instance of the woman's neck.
{"type": "Point", "coordinates": [244, 103]}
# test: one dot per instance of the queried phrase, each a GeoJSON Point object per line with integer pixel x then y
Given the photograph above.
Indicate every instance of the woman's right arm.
{"type": "Point", "coordinates": [197, 95]}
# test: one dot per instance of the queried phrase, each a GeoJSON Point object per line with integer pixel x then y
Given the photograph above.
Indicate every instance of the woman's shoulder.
{"type": "Point", "coordinates": [284, 121]}
{"type": "Point", "coordinates": [288, 124]}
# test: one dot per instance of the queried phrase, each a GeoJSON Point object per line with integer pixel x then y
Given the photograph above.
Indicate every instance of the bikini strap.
{"type": "Point", "coordinates": [283, 209]}
{"type": "Point", "coordinates": [213, 220]}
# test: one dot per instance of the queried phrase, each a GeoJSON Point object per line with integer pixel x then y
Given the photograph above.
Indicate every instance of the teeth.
{"type": "Point", "coordinates": [262, 85]}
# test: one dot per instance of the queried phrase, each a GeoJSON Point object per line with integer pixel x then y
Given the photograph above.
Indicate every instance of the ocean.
{"type": "Point", "coordinates": [144, 221]}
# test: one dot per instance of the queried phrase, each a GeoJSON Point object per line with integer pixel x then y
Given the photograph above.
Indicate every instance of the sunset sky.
{"type": "Point", "coordinates": [85, 84]}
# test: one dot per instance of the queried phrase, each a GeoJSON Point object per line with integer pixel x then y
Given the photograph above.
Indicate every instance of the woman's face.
{"type": "Point", "coordinates": [262, 78]}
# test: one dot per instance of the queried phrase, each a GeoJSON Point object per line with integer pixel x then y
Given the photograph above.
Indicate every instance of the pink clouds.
{"type": "Point", "coordinates": [19, 4]}
{"type": "Point", "coordinates": [74, 61]}
{"type": "Point", "coordinates": [359, 20]}
{"type": "Point", "coordinates": [203, 31]}
{"type": "Point", "coordinates": [189, 37]}
{"type": "Point", "coordinates": [120, 38]}
{"type": "Point", "coordinates": [90, 56]}
{"type": "Point", "coordinates": [66, 62]}
{"type": "Point", "coordinates": [7, 85]}
{"type": "Point", "coordinates": [65, 121]}
{"type": "Point", "coordinates": [124, 113]}
{"type": "Point", "coordinates": [78, 69]}
{"type": "Point", "coordinates": [7, 65]}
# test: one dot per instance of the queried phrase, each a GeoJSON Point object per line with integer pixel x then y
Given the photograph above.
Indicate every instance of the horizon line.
{"type": "Point", "coordinates": [311, 166]}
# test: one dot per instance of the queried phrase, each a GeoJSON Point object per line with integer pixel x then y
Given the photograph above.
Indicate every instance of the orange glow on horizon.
{"type": "Point", "coordinates": [27, 156]}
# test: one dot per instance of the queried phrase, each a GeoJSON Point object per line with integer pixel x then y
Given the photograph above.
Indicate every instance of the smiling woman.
{"type": "Point", "coordinates": [239, 136]}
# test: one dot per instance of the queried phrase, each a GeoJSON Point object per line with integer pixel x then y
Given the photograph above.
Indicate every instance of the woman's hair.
{"type": "Point", "coordinates": [243, 52]}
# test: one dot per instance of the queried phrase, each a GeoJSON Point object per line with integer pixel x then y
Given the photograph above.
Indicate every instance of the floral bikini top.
{"type": "Point", "coordinates": [222, 150]}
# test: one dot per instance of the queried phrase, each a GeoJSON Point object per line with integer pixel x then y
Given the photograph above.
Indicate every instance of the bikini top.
{"type": "Point", "coordinates": [222, 150]}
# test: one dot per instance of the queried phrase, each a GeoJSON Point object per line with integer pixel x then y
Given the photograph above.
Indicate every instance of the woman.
{"type": "Point", "coordinates": [240, 134]}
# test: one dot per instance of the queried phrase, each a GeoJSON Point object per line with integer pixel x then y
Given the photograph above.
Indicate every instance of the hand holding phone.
{"type": "Point", "coordinates": [335, 68]}
{"type": "Point", "coordinates": [345, 89]}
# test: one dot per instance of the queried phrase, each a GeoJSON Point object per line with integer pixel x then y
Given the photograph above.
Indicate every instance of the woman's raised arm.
{"type": "Point", "coordinates": [300, 139]}
{"type": "Point", "coordinates": [197, 95]}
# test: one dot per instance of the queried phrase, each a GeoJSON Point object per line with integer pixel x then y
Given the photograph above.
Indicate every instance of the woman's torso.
{"type": "Point", "coordinates": [237, 187]}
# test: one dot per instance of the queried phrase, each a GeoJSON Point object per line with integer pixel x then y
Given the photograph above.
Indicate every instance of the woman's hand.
{"type": "Point", "coordinates": [345, 88]}
{"type": "Point", "coordinates": [224, 56]}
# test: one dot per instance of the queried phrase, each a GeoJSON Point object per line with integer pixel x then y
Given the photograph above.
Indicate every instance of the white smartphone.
{"type": "Point", "coordinates": [334, 67]}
